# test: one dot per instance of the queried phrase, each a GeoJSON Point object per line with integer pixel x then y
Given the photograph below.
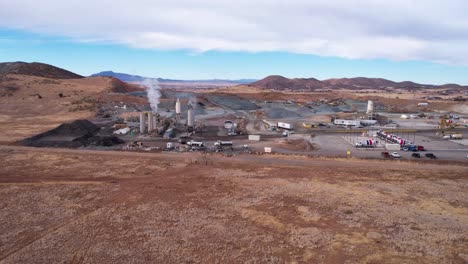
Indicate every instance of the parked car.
{"type": "Point", "coordinates": [416, 155]}
{"type": "Point", "coordinates": [409, 148]}
{"type": "Point", "coordinates": [395, 155]}
{"type": "Point", "coordinates": [421, 148]}
{"type": "Point", "coordinates": [431, 156]}
{"type": "Point", "coordinates": [385, 154]}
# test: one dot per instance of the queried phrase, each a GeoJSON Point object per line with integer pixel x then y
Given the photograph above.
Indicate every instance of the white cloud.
{"type": "Point", "coordinates": [431, 30]}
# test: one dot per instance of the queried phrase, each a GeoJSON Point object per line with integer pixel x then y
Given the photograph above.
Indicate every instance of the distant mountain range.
{"type": "Point", "coordinates": [273, 82]}
{"type": "Point", "coordinates": [137, 78]}
{"type": "Point", "coordinates": [277, 82]}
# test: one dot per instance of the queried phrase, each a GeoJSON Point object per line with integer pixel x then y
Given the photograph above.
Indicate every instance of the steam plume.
{"type": "Point", "coordinates": [152, 92]}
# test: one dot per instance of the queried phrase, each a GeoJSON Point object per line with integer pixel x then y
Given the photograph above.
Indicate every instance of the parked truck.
{"type": "Point", "coordinates": [409, 148]}
{"type": "Point", "coordinates": [220, 143]}
{"type": "Point", "coordinates": [365, 144]}
{"type": "Point", "coordinates": [285, 125]}
{"type": "Point", "coordinates": [192, 143]}
{"type": "Point", "coordinates": [453, 136]}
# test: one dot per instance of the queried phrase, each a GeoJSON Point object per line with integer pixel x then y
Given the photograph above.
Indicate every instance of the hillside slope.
{"type": "Point", "coordinates": [276, 82]}
{"type": "Point", "coordinates": [30, 105]}
{"type": "Point", "coordinates": [37, 69]}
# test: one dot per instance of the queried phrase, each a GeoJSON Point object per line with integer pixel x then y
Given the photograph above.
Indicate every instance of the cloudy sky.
{"type": "Point", "coordinates": [419, 40]}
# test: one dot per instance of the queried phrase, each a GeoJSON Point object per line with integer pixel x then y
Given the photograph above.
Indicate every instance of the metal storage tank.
{"type": "Point", "coordinates": [190, 116]}
{"type": "Point", "coordinates": [177, 106]}
{"type": "Point", "coordinates": [150, 122]}
{"type": "Point", "coordinates": [370, 107]}
{"type": "Point", "coordinates": [142, 122]}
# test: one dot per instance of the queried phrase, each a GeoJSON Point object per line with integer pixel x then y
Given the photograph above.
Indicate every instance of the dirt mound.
{"type": "Point", "coordinates": [66, 135]}
{"type": "Point", "coordinates": [37, 69]}
{"type": "Point", "coordinates": [296, 145]}
{"type": "Point", "coordinates": [118, 86]}
{"type": "Point", "coordinates": [72, 135]}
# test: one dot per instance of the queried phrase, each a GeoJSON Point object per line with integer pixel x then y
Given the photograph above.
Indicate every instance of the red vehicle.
{"type": "Point", "coordinates": [386, 155]}
{"type": "Point", "coordinates": [421, 148]}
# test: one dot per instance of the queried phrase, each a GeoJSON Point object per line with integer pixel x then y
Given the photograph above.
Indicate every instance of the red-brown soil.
{"type": "Point", "coordinates": [77, 206]}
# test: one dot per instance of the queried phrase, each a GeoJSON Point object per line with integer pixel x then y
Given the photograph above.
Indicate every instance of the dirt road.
{"type": "Point", "coordinates": [80, 206]}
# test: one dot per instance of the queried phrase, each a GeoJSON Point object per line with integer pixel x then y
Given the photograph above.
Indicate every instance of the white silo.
{"type": "Point", "coordinates": [370, 110]}
{"type": "Point", "coordinates": [177, 107]}
{"type": "Point", "coordinates": [370, 107]}
{"type": "Point", "coordinates": [190, 116]}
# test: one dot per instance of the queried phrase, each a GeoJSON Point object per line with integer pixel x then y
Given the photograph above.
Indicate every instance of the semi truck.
{"type": "Point", "coordinates": [365, 144]}
{"type": "Point", "coordinates": [220, 143]}
{"type": "Point", "coordinates": [192, 143]}
{"type": "Point", "coordinates": [285, 125]}
{"type": "Point", "coordinates": [453, 136]}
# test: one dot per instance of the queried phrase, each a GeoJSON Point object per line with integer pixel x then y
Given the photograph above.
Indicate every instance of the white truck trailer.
{"type": "Point", "coordinates": [285, 125]}
{"type": "Point", "coordinates": [220, 143]}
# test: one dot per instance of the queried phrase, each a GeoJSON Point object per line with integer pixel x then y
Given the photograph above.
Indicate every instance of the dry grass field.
{"type": "Point", "coordinates": [82, 206]}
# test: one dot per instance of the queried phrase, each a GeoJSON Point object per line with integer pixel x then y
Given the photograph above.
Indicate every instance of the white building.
{"type": "Point", "coordinates": [345, 122]}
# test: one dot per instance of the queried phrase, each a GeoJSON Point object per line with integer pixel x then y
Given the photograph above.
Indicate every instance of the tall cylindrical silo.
{"type": "Point", "coordinates": [142, 122]}
{"type": "Point", "coordinates": [150, 122]}
{"type": "Point", "coordinates": [190, 116]}
{"type": "Point", "coordinates": [177, 106]}
{"type": "Point", "coordinates": [370, 107]}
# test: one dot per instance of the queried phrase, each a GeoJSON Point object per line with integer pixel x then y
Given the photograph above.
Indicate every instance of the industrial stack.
{"type": "Point", "coordinates": [177, 110]}
{"type": "Point", "coordinates": [370, 110]}
{"type": "Point", "coordinates": [190, 117]}
{"type": "Point", "coordinates": [142, 122]}
{"type": "Point", "coordinates": [148, 122]}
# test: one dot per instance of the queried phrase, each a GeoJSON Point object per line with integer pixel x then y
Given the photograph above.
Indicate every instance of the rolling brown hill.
{"type": "Point", "coordinates": [30, 105]}
{"type": "Point", "coordinates": [276, 82]}
{"type": "Point", "coordinates": [37, 69]}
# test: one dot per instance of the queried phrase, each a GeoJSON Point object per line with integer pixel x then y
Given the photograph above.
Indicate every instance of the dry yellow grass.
{"type": "Point", "coordinates": [23, 113]}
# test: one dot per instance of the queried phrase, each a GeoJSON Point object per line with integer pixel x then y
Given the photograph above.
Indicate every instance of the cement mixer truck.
{"type": "Point", "coordinates": [365, 144]}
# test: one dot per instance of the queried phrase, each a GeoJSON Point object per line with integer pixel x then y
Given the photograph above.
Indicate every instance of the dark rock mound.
{"type": "Point", "coordinates": [104, 141]}
{"type": "Point", "coordinates": [76, 134]}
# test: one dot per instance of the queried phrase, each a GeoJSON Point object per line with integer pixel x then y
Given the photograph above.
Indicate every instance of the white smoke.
{"type": "Point", "coordinates": [152, 92]}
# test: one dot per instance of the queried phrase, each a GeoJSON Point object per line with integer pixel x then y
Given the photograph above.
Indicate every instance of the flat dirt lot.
{"type": "Point", "coordinates": [79, 206]}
